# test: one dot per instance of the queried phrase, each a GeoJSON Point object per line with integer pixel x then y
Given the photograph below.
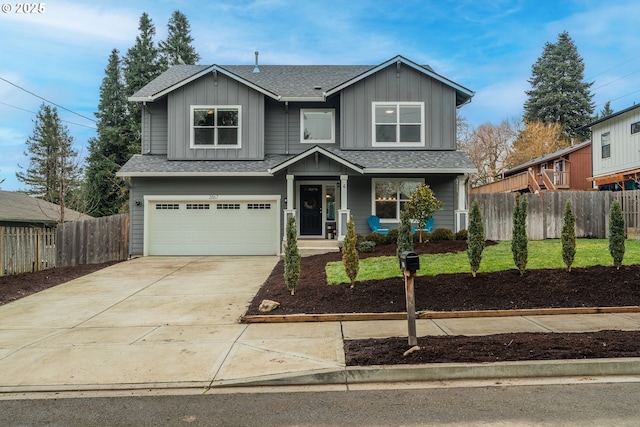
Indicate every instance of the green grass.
{"type": "Point", "coordinates": [542, 254]}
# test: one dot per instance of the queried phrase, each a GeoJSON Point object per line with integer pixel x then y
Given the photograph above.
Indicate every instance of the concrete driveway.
{"type": "Point", "coordinates": [154, 322]}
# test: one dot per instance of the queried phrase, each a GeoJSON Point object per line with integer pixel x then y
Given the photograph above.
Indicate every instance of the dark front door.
{"type": "Point", "coordinates": [311, 210]}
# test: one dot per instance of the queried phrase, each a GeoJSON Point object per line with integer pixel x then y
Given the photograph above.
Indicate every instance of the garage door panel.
{"type": "Point", "coordinates": [213, 228]}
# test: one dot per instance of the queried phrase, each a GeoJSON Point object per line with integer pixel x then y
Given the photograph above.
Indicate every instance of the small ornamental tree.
{"type": "Point", "coordinates": [350, 259]}
{"type": "Point", "coordinates": [568, 236]}
{"type": "Point", "coordinates": [475, 238]}
{"type": "Point", "coordinates": [519, 239]}
{"type": "Point", "coordinates": [405, 239]}
{"type": "Point", "coordinates": [422, 205]}
{"type": "Point", "coordinates": [616, 234]}
{"type": "Point", "coordinates": [291, 257]}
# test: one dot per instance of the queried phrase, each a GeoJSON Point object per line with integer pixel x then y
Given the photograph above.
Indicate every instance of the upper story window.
{"type": "Point", "coordinates": [215, 126]}
{"type": "Point", "coordinates": [635, 127]}
{"type": "Point", "coordinates": [317, 126]}
{"type": "Point", "coordinates": [397, 124]}
{"type": "Point", "coordinates": [605, 143]}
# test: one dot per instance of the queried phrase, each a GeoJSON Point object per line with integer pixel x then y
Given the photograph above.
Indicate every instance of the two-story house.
{"type": "Point", "coordinates": [616, 150]}
{"type": "Point", "coordinates": [230, 152]}
{"type": "Point", "coordinates": [566, 169]}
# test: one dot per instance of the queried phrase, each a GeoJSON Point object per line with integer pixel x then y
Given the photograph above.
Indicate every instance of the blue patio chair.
{"type": "Point", "coordinates": [374, 224]}
{"type": "Point", "coordinates": [428, 227]}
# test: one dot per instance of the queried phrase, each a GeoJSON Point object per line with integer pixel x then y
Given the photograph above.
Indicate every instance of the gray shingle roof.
{"type": "Point", "coordinates": [20, 207]}
{"type": "Point", "coordinates": [370, 161]}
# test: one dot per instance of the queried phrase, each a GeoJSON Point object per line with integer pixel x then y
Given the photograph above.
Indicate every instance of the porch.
{"type": "Point", "coordinates": [546, 179]}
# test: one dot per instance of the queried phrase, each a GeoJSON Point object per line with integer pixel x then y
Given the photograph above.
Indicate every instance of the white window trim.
{"type": "Point", "coordinates": [397, 144]}
{"type": "Point", "coordinates": [373, 198]}
{"type": "Point", "coordinates": [602, 144]}
{"type": "Point", "coordinates": [192, 143]}
{"type": "Point", "coordinates": [333, 126]}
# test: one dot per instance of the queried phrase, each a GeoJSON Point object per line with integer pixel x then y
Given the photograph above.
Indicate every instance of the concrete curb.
{"type": "Point", "coordinates": [448, 371]}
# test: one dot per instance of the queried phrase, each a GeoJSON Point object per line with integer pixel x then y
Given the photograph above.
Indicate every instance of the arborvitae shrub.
{"type": "Point", "coordinates": [568, 236]}
{"type": "Point", "coordinates": [519, 240]}
{"type": "Point", "coordinates": [475, 239]}
{"type": "Point", "coordinates": [616, 233]}
{"type": "Point", "coordinates": [291, 257]}
{"type": "Point", "coordinates": [350, 259]}
{"type": "Point", "coordinates": [405, 239]}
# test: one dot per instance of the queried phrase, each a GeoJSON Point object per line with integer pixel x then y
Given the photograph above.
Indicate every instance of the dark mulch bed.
{"type": "Point", "coordinates": [597, 286]}
{"type": "Point", "coordinates": [21, 285]}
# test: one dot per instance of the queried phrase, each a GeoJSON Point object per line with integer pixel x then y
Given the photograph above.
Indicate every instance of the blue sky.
{"type": "Point", "coordinates": [486, 46]}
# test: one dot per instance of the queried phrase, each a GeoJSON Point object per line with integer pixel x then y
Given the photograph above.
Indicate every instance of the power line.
{"type": "Point", "coordinates": [50, 102]}
{"type": "Point", "coordinates": [619, 78]}
{"type": "Point", "coordinates": [33, 112]}
{"type": "Point", "coordinates": [614, 67]}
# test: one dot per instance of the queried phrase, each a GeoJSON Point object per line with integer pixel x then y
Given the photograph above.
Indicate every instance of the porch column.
{"type": "Point", "coordinates": [461, 212]}
{"type": "Point", "coordinates": [289, 210]}
{"type": "Point", "coordinates": [343, 212]}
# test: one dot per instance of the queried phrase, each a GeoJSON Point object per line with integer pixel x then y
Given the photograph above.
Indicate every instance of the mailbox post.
{"type": "Point", "coordinates": [409, 264]}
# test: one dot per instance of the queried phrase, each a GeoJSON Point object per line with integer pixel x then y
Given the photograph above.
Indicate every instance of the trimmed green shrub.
{"type": "Point", "coordinates": [291, 257]}
{"type": "Point", "coordinates": [616, 233]}
{"type": "Point", "coordinates": [350, 259]}
{"type": "Point", "coordinates": [366, 246]}
{"type": "Point", "coordinates": [405, 239]}
{"type": "Point", "coordinates": [568, 236]}
{"type": "Point", "coordinates": [475, 242]}
{"type": "Point", "coordinates": [519, 240]}
{"type": "Point", "coordinates": [462, 235]}
{"type": "Point", "coordinates": [442, 234]}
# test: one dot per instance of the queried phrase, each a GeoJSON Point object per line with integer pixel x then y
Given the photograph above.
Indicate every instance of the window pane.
{"type": "Point", "coordinates": [410, 114]}
{"type": "Point", "coordinates": [227, 117]}
{"type": "Point", "coordinates": [386, 114]}
{"type": "Point", "coordinates": [386, 190]}
{"type": "Point", "coordinates": [203, 136]}
{"type": "Point", "coordinates": [386, 133]}
{"type": "Point", "coordinates": [407, 188]}
{"type": "Point", "coordinates": [227, 136]}
{"type": "Point", "coordinates": [410, 133]}
{"type": "Point", "coordinates": [386, 210]}
{"type": "Point", "coordinates": [203, 117]}
{"type": "Point", "coordinates": [317, 125]}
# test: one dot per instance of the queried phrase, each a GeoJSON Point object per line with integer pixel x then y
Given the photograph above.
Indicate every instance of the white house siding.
{"type": "Point", "coordinates": [625, 147]}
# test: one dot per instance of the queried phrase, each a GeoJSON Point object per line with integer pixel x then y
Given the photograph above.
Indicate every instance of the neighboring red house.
{"type": "Point", "coordinates": [566, 169]}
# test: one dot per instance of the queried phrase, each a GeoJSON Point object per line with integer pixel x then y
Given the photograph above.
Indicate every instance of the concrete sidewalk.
{"type": "Point", "coordinates": [172, 322]}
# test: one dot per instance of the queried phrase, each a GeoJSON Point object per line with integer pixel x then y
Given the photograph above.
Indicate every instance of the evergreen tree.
{"type": "Point", "coordinates": [141, 65]}
{"type": "Point", "coordinates": [291, 257]}
{"type": "Point", "coordinates": [616, 233]}
{"type": "Point", "coordinates": [519, 242]}
{"type": "Point", "coordinates": [475, 238]}
{"type": "Point", "coordinates": [405, 239]}
{"type": "Point", "coordinates": [111, 149]}
{"type": "Point", "coordinates": [53, 172]}
{"type": "Point", "coordinates": [568, 236]}
{"type": "Point", "coordinates": [350, 259]}
{"type": "Point", "coordinates": [177, 48]}
{"type": "Point", "coordinates": [606, 111]}
{"type": "Point", "coordinates": [558, 93]}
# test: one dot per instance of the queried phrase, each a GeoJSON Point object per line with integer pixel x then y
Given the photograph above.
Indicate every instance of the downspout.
{"type": "Point", "coordinates": [286, 128]}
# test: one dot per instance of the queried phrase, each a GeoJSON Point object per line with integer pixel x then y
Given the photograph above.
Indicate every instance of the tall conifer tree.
{"type": "Point", "coordinates": [558, 93]}
{"type": "Point", "coordinates": [111, 148]}
{"type": "Point", "coordinates": [53, 172]}
{"type": "Point", "coordinates": [177, 48]}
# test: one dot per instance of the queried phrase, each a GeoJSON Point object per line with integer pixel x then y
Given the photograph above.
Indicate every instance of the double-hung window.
{"type": "Point", "coordinates": [605, 143]}
{"type": "Point", "coordinates": [317, 126]}
{"type": "Point", "coordinates": [391, 195]}
{"type": "Point", "coordinates": [398, 124]}
{"type": "Point", "coordinates": [215, 126]}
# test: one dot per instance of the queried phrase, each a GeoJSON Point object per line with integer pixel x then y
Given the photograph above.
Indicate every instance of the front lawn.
{"type": "Point", "coordinates": [542, 254]}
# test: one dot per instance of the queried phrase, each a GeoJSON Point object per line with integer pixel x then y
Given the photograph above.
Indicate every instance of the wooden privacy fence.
{"type": "Point", "coordinates": [93, 241]}
{"type": "Point", "coordinates": [26, 249]}
{"type": "Point", "coordinates": [546, 212]}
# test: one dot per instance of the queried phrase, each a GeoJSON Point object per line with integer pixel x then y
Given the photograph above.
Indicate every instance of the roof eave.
{"type": "Point", "coordinates": [184, 174]}
{"type": "Point", "coordinates": [316, 149]}
{"type": "Point", "coordinates": [420, 170]}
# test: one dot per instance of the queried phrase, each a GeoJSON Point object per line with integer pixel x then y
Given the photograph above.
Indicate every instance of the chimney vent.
{"type": "Point", "coordinates": [256, 69]}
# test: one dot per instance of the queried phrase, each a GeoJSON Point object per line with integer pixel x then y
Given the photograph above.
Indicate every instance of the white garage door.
{"type": "Point", "coordinates": [217, 227]}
